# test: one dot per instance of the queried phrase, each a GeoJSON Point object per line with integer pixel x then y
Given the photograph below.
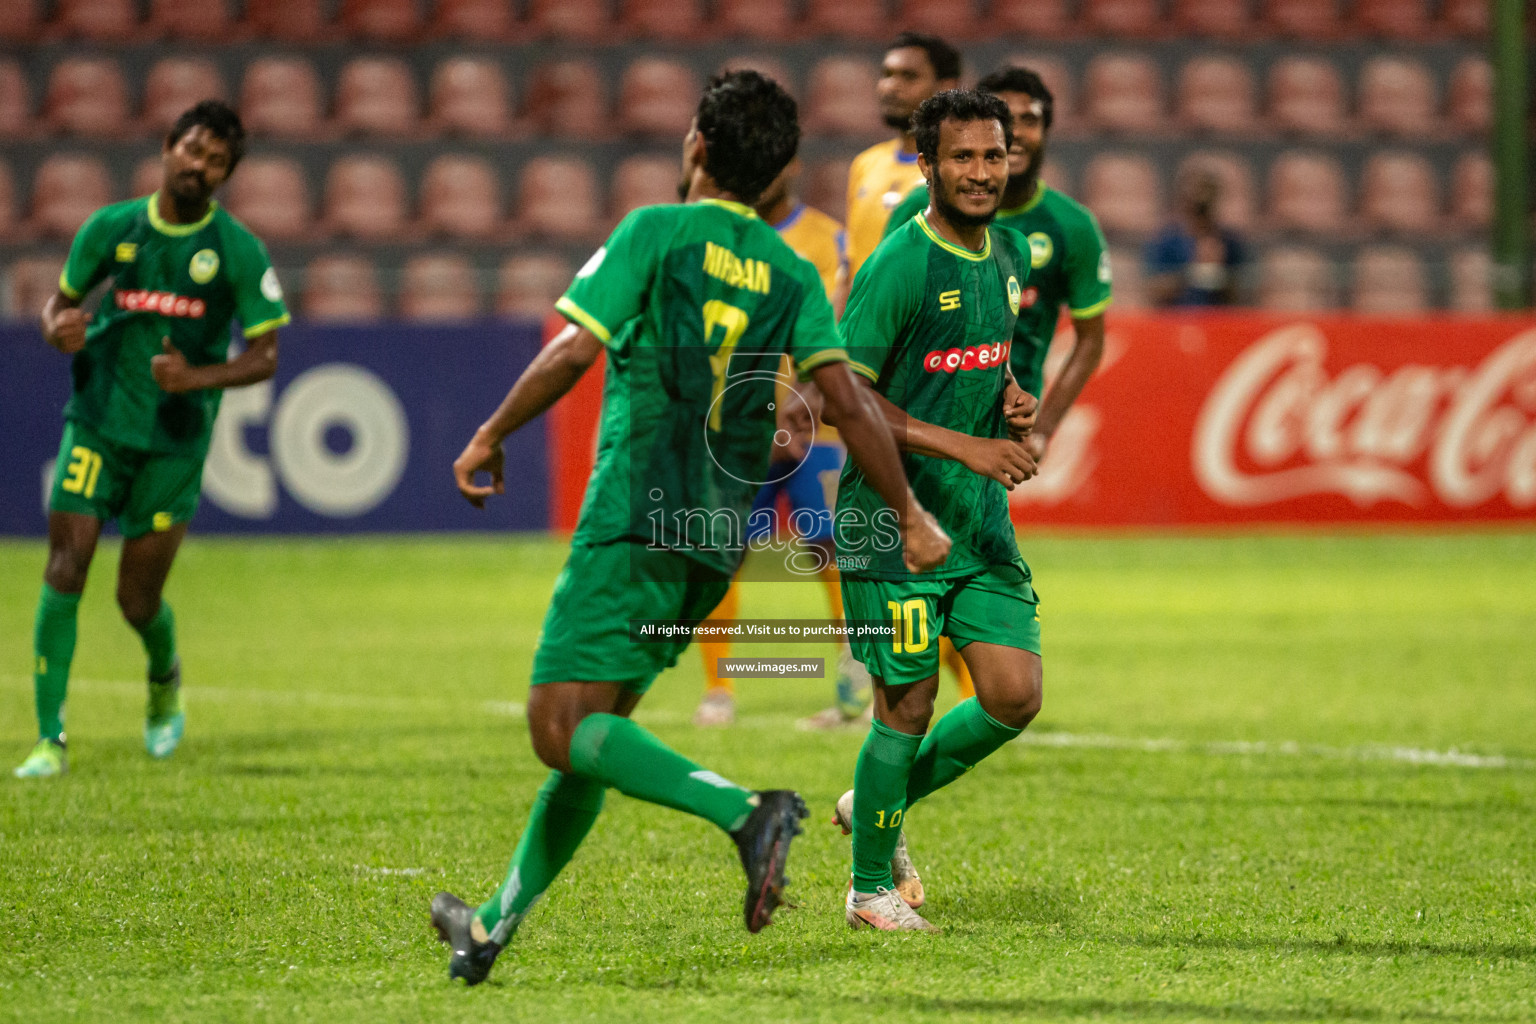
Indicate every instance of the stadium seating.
{"type": "Point", "coordinates": [377, 96]}
{"type": "Point", "coordinates": [461, 198]}
{"type": "Point", "coordinates": [297, 21]}
{"type": "Point", "coordinates": [490, 21]}
{"type": "Point", "coordinates": [469, 97]}
{"type": "Point", "coordinates": [1392, 19]}
{"type": "Point", "coordinates": [1238, 206]}
{"type": "Point", "coordinates": [1214, 19]}
{"type": "Point", "coordinates": [1397, 98]}
{"type": "Point", "coordinates": [764, 64]}
{"type": "Point", "coordinates": [567, 99]}
{"type": "Point", "coordinates": [1306, 97]}
{"type": "Point", "coordinates": [583, 21]}
{"type": "Point", "coordinates": [558, 199]}
{"type": "Point", "coordinates": [147, 177]}
{"type": "Point", "coordinates": [1469, 96]}
{"type": "Point", "coordinates": [1311, 20]}
{"type": "Point", "coordinates": [1398, 192]}
{"type": "Point", "coordinates": [1295, 279]}
{"type": "Point", "coordinates": [840, 98]}
{"type": "Point", "coordinates": [657, 98]}
{"type": "Point", "coordinates": [270, 195]}
{"type": "Point", "coordinates": [96, 20]}
{"type": "Point", "coordinates": [280, 97]}
{"type": "Point", "coordinates": [824, 185]}
{"type": "Point", "coordinates": [1130, 287]}
{"type": "Point", "coordinates": [1216, 96]}
{"type": "Point", "coordinates": [341, 289]}
{"type": "Point", "coordinates": [954, 20]}
{"type": "Point", "coordinates": [1123, 94]}
{"type": "Point", "coordinates": [65, 191]}
{"type": "Point", "coordinates": [364, 199]}
{"type": "Point", "coordinates": [673, 21]}
{"type": "Point", "coordinates": [202, 21]}
{"type": "Point", "coordinates": [1389, 280]}
{"type": "Point", "coordinates": [1121, 19]}
{"type": "Point", "coordinates": [381, 21]}
{"type": "Point", "coordinates": [1307, 193]}
{"type": "Point", "coordinates": [438, 287]}
{"type": "Point", "coordinates": [15, 101]}
{"type": "Point", "coordinates": [29, 284]}
{"type": "Point", "coordinates": [1471, 281]}
{"type": "Point", "coordinates": [527, 285]}
{"type": "Point", "coordinates": [1471, 206]}
{"type": "Point", "coordinates": [173, 85]}
{"type": "Point", "coordinates": [1058, 79]}
{"type": "Point", "coordinates": [1465, 18]}
{"type": "Point", "coordinates": [642, 181]}
{"type": "Point", "coordinates": [1031, 19]}
{"type": "Point", "coordinates": [10, 221]}
{"type": "Point", "coordinates": [21, 21]}
{"type": "Point", "coordinates": [87, 97]}
{"type": "Point", "coordinates": [848, 19]}
{"type": "Point", "coordinates": [1123, 190]}
{"type": "Point", "coordinates": [768, 21]}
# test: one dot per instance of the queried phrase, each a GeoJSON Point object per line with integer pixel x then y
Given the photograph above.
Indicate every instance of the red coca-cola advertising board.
{"type": "Point", "coordinates": [1241, 418]}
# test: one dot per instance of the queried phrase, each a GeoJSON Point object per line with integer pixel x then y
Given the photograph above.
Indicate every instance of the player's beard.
{"type": "Point", "coordinates": [901, 122]}
{"type": "Point", "coordinates": [958, 217]}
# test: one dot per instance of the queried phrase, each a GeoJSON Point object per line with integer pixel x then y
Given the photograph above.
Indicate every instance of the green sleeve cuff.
{"type": "Point", "coordinates": [864, 371]}
{"type": "Point", "coordinates": [67, 288]}
{"type": "Point", "coordinates": [267, 326]}
{"type": "Point", "coordinates": [803, 367]}
{"type": "Point", "coordinates": [1093, 310]}
{"type": "Point", "coordinates": [582, 318]}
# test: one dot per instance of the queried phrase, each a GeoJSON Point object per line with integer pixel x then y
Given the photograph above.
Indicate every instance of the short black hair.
{"type": "Point", "coordinates": [1021, 80]}
{"type": "Point", "coordinates": [751, 130]}
{"type": "Point", "coordinates": [944, 58]}
{"type": "Point", "coordinates": [222, 123]}
{"type": "Point", "coordinates": [957, 105]}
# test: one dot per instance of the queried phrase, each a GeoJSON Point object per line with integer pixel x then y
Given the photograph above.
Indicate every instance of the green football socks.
{"type": "Point", "coordinates": [954, 746]}
{"type": "Point", "coordinates": [616, 752]}
{"type": "Point", "coordinates": [562, 815]}
{"type": "Point", "coordinates": [53, 648]}
{"type": "Point", "coordinates": [879, 803]}
{"type": "Point", "coordinates": [159, 636]}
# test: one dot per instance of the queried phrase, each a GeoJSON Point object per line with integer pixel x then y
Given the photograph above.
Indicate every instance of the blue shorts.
{"type": "Point", "coordinates": [812, 493]}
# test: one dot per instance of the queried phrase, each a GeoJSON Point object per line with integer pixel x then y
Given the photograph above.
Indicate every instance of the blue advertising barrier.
{"type": "Point", "coordinates": [357, 432]}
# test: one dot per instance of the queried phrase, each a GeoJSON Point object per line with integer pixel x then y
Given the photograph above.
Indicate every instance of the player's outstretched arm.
{"type": "Point", "coordinates": [553, 372]}
{"type": "Point", "coordinates": [175, 375]}
{"type": "Point", "coordinates": [1087, 352]}
{"type": "Point", "coordinates": [64, 323]}
{"type": "Point", "coordinates": [869, 441]}
{"type": "Point", "coordinates": [1000, 459]}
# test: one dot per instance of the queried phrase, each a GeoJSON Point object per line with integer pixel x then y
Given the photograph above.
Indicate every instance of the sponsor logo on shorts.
{"type": "Point", "coordinates": [164, 303]}
{"type": "Point", "coordinates": [978, 357]}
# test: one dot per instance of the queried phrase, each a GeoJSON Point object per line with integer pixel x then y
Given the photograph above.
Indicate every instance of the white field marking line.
{"type": "Point", "coordinates": [407, 872]}
{"type": "Point", "coordinates": [1452, 758]}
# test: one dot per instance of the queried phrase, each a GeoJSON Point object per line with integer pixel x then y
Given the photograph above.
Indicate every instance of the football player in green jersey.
{"type": "Point", "coordinates": [1068, 262]}
{"type": "Point", "coordinates": [148, 372]}
{"type": "Point", "coordinates": [696, 305]}
{"type": "Point", "coordinates": [929, 323]}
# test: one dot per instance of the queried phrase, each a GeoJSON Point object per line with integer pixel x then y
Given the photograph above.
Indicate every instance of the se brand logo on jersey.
{"type": "Point", "coordinates": [164, 303]}
{"type": "Point", "coordinates": [949, 301]}
{"type": "Point", "coordinates": [1014, 292]}
{"type": "Point", "coordinates": [205, 263]}
{"type": "Point", "coordinates": [127, 252]}
{"type": "Point", "coordinates": [978, 357]}
{"type": "Point", "coordinates": [1041, 249]}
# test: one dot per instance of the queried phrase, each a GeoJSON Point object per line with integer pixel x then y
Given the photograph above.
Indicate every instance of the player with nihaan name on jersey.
{"type": "Point", "coordinates": [930, 322]}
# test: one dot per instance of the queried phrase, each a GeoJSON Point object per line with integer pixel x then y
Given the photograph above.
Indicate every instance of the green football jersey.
{"type": "Point", "coordinates": [697, 303]}
{"type": "Point", "coordinates": [1068, 267]}
{"type": "Point", "coordinates": [185, 282]}
{"type": "Point", "coordinates": [931, 324]}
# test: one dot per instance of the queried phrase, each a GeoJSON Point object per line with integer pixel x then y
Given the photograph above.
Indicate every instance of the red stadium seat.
{"type": "Point", "coordinates": [198, 20]}
{"type": "Point", "coordinates": [1032, 19]}
{"type": "Point", "coordinates": [10, 221]}
{"type": "Point", "coordinates": [1303, 19]}
{"type": "Point", "coordinates": [21, 21]}
{"type": "Point", "coordinates": [1238, 206]}
{"type": "Point", "coordinates": [567, 99]}
{"type": "Point", "coordinates": [848, 19]}
{"type": "Point", "coordinates": [768, 66]}
{"type": "Point", "coordinates": [584, 21]}
{"type": "Point", "coordinates": [1307, 193]}
{"type": "Point", "coordinates": [341, 289]}
{"type": "Point", "coordinates": [528, 285]}
{"type": "Point", "coordinates": [15, 101]}
{"type": "Point", "coordinates": [147, 177]}
{"type": "Point", "coordinates": [1123, 93]}
{"type": "Point", "coordinates": [643, 181]}
{"type": "Point", "coordinates": [470, 97]}
{"type": "Point", "coordinates": [377, 96]}
{"type": "Point", "coordinates": [365, 199]}
{"type": "Point", "coordinates": [558, 199]}
{"type": "Point", "coordinates": [1392, 19]}
{"type": "Point", "coordinates": [1057, 76]}
{"type": "Point", "coordinates": [1469, 97]}
{"type": "Point", "coordinates": [1399, 192]}
{"type": "Point", "coordinates": [174, 85]}
{"type": "Point", "coordinates": [1122, 19]}
{"type": "Point", "coordinates": [96, 20]}
{"type": "Point", "coordinates": [1123, 190]}
{"type": "Point", "coordinates": [439, 287]}
{"type": "Point", "coordinates": [673, 21]}
{"type": "Point", "coordinates": [484, 20]}
{"type": "Point", "coordinates": [769, 21]}
{"type": "Point", "coordinates": [657, 98]}
{"type": "Point", "coordinates": [65, 191]}
{"type": "Point", "coordinates": [1472, 192]}
{"type": "Point", "coordinates": [1390, 280]}
{"type": "Point", "coordinates": [270, 195]}
{"type": "Point", "coordinates": [1472, 281]}
{"type": "Point", "coordinates": [1397, 97]}
{"type": "Point", "coordinates": [953, 20]}
{"type": "Point", "coordinates": [1213, 19]}
{"type": "Point", "coordinates": [280, 97]}
{"type": "Point", "coordinates": [87, 97]}
{"type": "Point", "coordinates": [1216, 96]}
{"type": "Point", "coordinates": [298, 21]}
{"type": "Point", "coordinates": [1295, 279]}
{"type": "Point", "coordinates": [461, 198]}
{"type": "Point", "coordinates": [29, 284]}
{"type": "Point", "coordinates": [840, 98]}
{"type": "Point", "coordinates": [1129, 276]}
{"type": "Point", "coordinates": [1465, 18]}
{"type": "Point", "coordinates": [383, 21]}
{"type": "Point", "coordinates": [1306, 97]}
{"type": "Point", "coordinates": [824, 185]}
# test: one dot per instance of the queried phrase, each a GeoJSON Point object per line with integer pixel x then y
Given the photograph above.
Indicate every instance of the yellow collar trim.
{"type": "Point", "coordinates": [948, 246]}
{"type": "Point", "coordinates": [733, 206]}
{"type": "Point", "coordinates": [1033, 202]}
{"type": "Point", "coordinates": [163, 226]}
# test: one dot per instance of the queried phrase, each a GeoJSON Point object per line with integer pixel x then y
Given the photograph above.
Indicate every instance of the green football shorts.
{"type": "Point", "coordinates": [998, 606]}
{"type": "Point", "coordinates": [586, 636]}
{"type": "Point", "coordinates": [144, 491]}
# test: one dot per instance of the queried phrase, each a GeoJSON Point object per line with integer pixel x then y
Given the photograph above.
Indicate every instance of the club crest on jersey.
{"type": "Point", "coordinates": [1041, 249]}
{"type": "Point", "coordinates": [977, 357]}
{"type": "Point", "coordinates": [205, 264]}
{"type": "Point", "coordinates": [1014, 292]}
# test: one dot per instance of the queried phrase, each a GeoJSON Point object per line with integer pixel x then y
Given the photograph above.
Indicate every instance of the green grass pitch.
{"type": "Point", "coordinates": [1276, 779]}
